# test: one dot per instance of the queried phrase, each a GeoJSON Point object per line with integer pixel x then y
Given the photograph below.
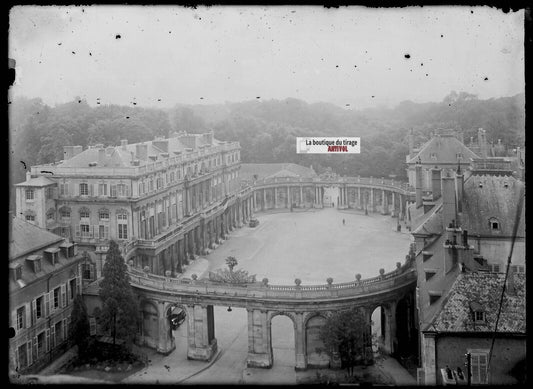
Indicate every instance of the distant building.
{"type": "Point", "coordinates": [44, 278]}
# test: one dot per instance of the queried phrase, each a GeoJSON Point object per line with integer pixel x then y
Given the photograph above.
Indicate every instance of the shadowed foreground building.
{"type": "Point", "coordinates": [44, 278]}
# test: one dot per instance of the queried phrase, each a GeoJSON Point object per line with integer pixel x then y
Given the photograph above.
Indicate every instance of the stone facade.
{"type": "Point", "coordinates": [44, 278]}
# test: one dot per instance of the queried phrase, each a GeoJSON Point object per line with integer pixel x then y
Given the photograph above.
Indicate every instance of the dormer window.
{"type": "Point", "coordinates": [29, 194]}
{"type": "Point", "coordinates": [35, 263]}
{"type": "Point", "coordinates": [30, 218]}
{"type": "Point", "coordinates": [459, 156]}
{"type": "Point", "coordinates": [477, 313]}
{"type": "Point", "coordinates": [434, 296]}
{"type": "Point", "coordinates": [494, 224]}
{"type": "Point", "coordinates": [433, 156]}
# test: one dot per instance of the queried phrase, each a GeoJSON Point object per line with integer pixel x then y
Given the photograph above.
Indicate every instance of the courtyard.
{"type": "Point", "coordinates": [312, 246]}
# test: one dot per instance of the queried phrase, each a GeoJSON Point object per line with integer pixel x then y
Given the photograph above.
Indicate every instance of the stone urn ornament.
{"type": "Point", "coordinates": [329, 280]}
{"type": "Point", "coordinates": [398, 265]}
{"type": "Point", "coordinates": [358, 277]}
{"type": "Point", "coordinates": [194, 277]}
{"type": "Point", "coordinates": [297, 281]}
{"type": "Point", "coordinates": [146, 269]}
{"type": "Point", "coordinates": [381, 272]}
{"type": "Point", "coordinates": [168, 273]}
{"type": "Point", "coordinates": [265, 281]}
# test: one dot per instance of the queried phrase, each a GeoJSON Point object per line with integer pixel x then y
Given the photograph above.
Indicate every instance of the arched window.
{"type": "Point", "coordinates": [85, 214]}
{"type": "Point", "coordinates": [103, 215]}
{"type": "Point", "coordinates": [51, 215]}
{"type": "Point", "coordinates": [64, 214]}
{"type": "Point", "coordinates": [494, 224]}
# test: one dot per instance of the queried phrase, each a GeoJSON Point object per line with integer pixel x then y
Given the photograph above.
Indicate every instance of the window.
{"type": "Point", "coordinates": [479, 367]}
{"type": "Point", "coordinates": [123, 190]}
{"type": "Point", "coordinates": [103, 232]}
{"type": "Point", "coordinates": [30, 218]}
{"type": "Point", "coordinates": [123, 231]}
{"type": "Point", "coordinates": [171, 176]}
{"type": "Point", "coordinates": [518, 268]}
{"type": "Point", "coordinates": [40, 344]}
{"type": "Point", "coordinates": [102, 190]}
{"type": "Point", "coordinates": [494, 224]}
{"type": "Point", "coordinates": [86, 271]}
{"type": "Point", "coordinates": [59, 332]}
{"type": "Point", "coordinates": [495, 268]}
{"type": "Point", "coordinates": [29, 194]}
{"type": "Point", "coordinates": [37, 265]}
{"type": "Point", "coordinates": [104, 215]}
{"type": "Point", "coordinates": [21, 318]}
{"type": "Point", "coordinates": [18, 272]}
{"type": "Point", "coordinates": [159, 183]}
{"type": "Point", "coordinates": [113, 191]}
{"type": "Point", "coordinates": [50, 192]}
{"type": "Point", "coordinates": [434, 297]}
{"type": "Point", "coordinates": [39, 307]}
{"type": "Point", "coordinates": [84, 215]}
{"type": "Point", "coordinates": [50, 215]}
{"type": "Point", "coordinates": [65, 214]}
{"type": "Point", "coordinates": [429, 274]}
{"type": "Point", "coordinates": [23, 356]}
{"type": "Point", "coordinates": [84, 189]}
{"type": "Point", "coordinates": [72, 287]}
{"type": "Point", "coordinates": [84, 230]}
{"type": "Point", "coordinates": [63, 189]}
{"type": "Point", "coordinates": [478, 316]}
{"type": "Point", "coordinates": [57, 291]}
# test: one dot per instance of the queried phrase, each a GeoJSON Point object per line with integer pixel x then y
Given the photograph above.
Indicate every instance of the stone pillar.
{"type": "Point", "coordinates": [402, 200]}
{"type": "Point", "coordinates": [289, 200]}
{"type": "Point", "coordinates": [259, 339]}
{"type": "Point", "coordinates": [275, 197]}
{"type": "Point", "coordinates": [429, 359]}
{"type": "Point", "coordinates": [165, 342]}
{"type": "Point", "coordinates": [390, 328]}
{"type": "Point", "coordinates": [360, 205]}
{"type": "Point", "coordinates": [202, 344]}
{"type": "Point", "coordinates": [384, 203]}
{"type": "Point", "coordinates": [372, 200]}
{"type": "Point", "coordinates": [299, 340]}
{"type": "Point", "coordinates": [394, 209]}
{"type": "Point", "coordinates": [264, 200]}
{"type": "Point", "coordinates": [301, 195]}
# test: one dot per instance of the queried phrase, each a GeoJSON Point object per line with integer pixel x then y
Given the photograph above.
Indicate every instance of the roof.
{"type": "Point", "coordinates": [26, 237]}
{"type": "Point", "coordinates": [37, 182]}
{"type": "Point", "coordinates": [265, 170]}
{"type": "Point", "coordinates": [431, 222]}
{"type": "Point", "coordinates": [446, 147]}
{"type": "Point", "coordinates": [119, 156]}
{"type": "Point", "coordinates": [488, 196]}
{"type": "Point", "coordinates": [484, 289]}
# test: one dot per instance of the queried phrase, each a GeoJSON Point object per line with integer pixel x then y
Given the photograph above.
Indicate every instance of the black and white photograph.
{"type": "Point", "coordinates": [267, 195]}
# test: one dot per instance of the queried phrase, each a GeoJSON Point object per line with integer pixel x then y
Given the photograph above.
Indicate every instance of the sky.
{"type": "Point", "coordinates": [354, 57]}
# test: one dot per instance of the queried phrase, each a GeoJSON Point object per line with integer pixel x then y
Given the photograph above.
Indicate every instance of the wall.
{"type": "Point", "coordinates": [507, 353]}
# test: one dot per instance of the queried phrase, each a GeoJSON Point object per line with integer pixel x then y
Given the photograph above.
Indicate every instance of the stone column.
{"type": "Point", "coordinates": [383, 202]}
{"type": "Point", "coordinates": [429, 358]}
{"type": "Point", "coordinates": [372, 200]}
{"type": "Point", "coordinates": [275, 197]}
{"type": "Point", "coordinates": [390, 328]}
{"type": "Point", "coordinates": [202, 344]}
{"type": "Point", "coordinates": [264, 205]}
{"type": "Point", "coordinates": [165, 341]}
{"type": "Point", "coordinates": [301, 195]}
{"type": "Point", "coordinates": [299, 340]}
{"type": "Point", "coordinates": [259, 339]}
{"type": "Point", "coordinates": [394, 209]}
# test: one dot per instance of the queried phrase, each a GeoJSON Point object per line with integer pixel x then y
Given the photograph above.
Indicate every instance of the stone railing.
{"type": "Point", "coordinates": [365, 181]}
{"type": "Point", "coordinates": [397, 278]}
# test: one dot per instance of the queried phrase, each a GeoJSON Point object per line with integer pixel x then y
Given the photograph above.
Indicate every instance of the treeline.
{"type": "Point", "coordinates": [266, 130]}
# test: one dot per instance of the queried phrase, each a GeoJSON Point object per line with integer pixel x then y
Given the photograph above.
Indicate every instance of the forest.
{"type": "Point", "coordinates": [266, 130]}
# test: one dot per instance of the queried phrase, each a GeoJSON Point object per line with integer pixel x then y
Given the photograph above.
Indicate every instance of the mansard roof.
{"type": "Point", "coordinates": [26, 237]}
{"type": "Point", "coordinates": [446, 147]}
{"type": "Point", "coordinates": [485, 289]}
{"type": "Point", "coordinates": [490, 196]}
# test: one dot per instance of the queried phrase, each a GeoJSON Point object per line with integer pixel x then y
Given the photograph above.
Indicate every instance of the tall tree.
{"type": "Point", "coordinates": [79, 329]}
{"type": "Point", "coordinates": [119, 311]}
{"type": "Point", "coordinates": [345, 332]}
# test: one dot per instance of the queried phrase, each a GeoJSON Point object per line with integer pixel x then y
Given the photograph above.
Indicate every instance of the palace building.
{"type": "Point", "coordinates": [167, 200]}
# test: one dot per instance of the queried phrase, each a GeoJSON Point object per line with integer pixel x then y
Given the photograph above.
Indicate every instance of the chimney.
{"type": "Point", "coordinates": [459, 189]}
{"type": "Point", "coordinates": [510, 286]}
{"type": "Point", "coordinates": [28, 175]}
{"type": "Point", "coordinates": [448, 200]}
{"type": "Point", "coordinates": [101, 156]}
{"type": "Point", "coordinates": [418, 185]}
{"type": "Point", "coordinates": [435, 183]}
{"type": "Point", "coordinates": [124, 144]}
{"type": "Point", "coordinates": [67, 152]}
{"type": "Point", "coordinates": [141, 151]}
{"type": "Point", "coordinates": [465, 238]}
{"type": "Point", "coordinates": [482, 142]}
{"type": "Point", "coordinates": [411, 140]}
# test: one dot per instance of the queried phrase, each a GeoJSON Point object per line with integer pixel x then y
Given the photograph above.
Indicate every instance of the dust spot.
{"type": "Point", "coordinates": [117, 36]}
{"type": "Point", "coordinates": [407, 56]}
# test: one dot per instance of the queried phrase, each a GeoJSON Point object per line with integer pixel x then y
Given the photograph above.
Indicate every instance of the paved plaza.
{"type": "Point", "coordinates": [310, 245]}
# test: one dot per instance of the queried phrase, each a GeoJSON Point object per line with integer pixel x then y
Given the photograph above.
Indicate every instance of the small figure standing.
{"type": "Point", "coordinates": [343, 222]}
